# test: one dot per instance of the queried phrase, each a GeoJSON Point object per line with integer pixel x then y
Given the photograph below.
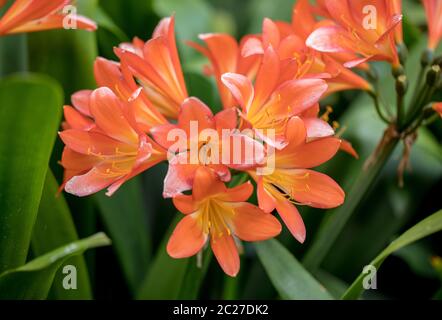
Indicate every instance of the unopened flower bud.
{"type": "Point", "coordinates": [433, 75]}
{"type": "Point", "coordinates": [427, 57]}
{"type": "Point", "coordinates": [401, 85]}
{"type": "Point", "coordinates": [398, 71]}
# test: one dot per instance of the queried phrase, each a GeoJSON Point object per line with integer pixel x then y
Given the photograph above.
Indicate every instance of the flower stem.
{"type": "Point", "coordinates": [377, 105]}
{"type": "Point", "coordinates": [332, 227]}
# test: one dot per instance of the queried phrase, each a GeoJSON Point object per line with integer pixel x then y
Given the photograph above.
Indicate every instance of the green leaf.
{"type": "Point", "coordinates": [135, 17]}
{"type": "Point", "coordinates": [288, 276]}
{"type": "Point", "coordinates": [29, 119]}
{"type": "Point", "coordinates": [34, 279]}
{"type": "Point", "coordinates": [52, 49]}
{"type": "Point", "coordinates": [13, 54]}
{"type": "Point", "coordinates": [125, 217]}
{"type": "Point", "coordinates": [426, 227]}
{"type": "Point", "coordinates": [54, 227]}
{"type": "Point", "coordinates": [170, 278]}
{"type": "Point", "coordinates": [105, 21]}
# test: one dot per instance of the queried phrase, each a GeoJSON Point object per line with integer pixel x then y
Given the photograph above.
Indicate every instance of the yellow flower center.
{"type": "Point", "coordinates": [215, 217]}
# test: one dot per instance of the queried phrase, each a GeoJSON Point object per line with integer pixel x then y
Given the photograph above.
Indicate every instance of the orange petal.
{"type": "Point", "coordinates": [266, 79]}
{"type": "Point", "coordinates": [244, 151]}
{"type": "Point", "coordinates": [89, 183]}
{"type": "Point", "coordinates": [270, 34]}
{"type": "Point", "coordinates": [331, 39]}
{"type": "Point", "coordinates": [55, 21]}
{"type": "Point", "coordinates": [195, 110]}
{"type": "Point", "coordinates": [108, 113]}
{"type": "Point", "coordinates": [81, 100]}
{"type": "Point", "coordinates": [93, 143]}
{"type": "Point", "coordinates": [185, 204]}
{"type": "Point", "coordinates": [438, 108]}
{"type": "Point", "coordinates": [294, 97]}
{"type": "Point", "coordinates": [292, 219]}
{"type": "Point", "coordinates": [76, 120]}
{"type": "Point", "coordinates": [265, 200]}
{"type": "Point", "coordinates": [240, 87]}
{"type": "Point", "coordinates": [226, 119]}
{"type": "Point", "coordinates": [80, 163]}
{"type": "Point", "coordinates": [23, 11]}
{"type": "Point", "coordinates": [296, 132]}
{"type": "Point", "coordinates": [316, 190]}
{"type": "Point", "coordinates": [226, 253]}
{"type": "Point", "coordinates": [187, 239]}
{"type": "Point", "coordinates": [160, 134]}
{"type": "Point", "coordinates": [253, 224]}
{"type": "Point", "coordinates": [317, 128]}
{"type": "Point", "coordinates": [308, 155]}
{"type": "Point", "coordinates": [206, 184]}
{"type": "Point", "coordinates": [239, 193]}
{"type": "Point", "coordinates": [347, 147]}
{"type": "Point", "coordinates": [166, 29]}
{"type": "Point", "coordinates": [302, 18]}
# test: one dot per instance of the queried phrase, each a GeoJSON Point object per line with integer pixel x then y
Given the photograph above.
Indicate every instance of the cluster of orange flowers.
{"type": "Point", "coordinates": [273, 80]}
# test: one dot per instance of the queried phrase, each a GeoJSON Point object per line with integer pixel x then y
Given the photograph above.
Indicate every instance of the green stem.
{"type": "Point", "coordinates": [377, 105]}
{"type": "Point", "coordinates": [332, 227]}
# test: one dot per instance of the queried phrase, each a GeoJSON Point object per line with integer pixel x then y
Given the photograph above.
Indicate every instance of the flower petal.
{"type": "Point", "coordinates": [185, 204]}
{"type": "Point", "coordinates": [108, 113]}
{"type": "Point", "coordinates": [226, 253]}
{"type": "Point", "coordinates": [81, 100]}
{"type": "Point", "coordinates": [292, 219]}
{"type": "Point", "coordinates": [187, 239]}
{"type": "Point", "coordinates": [239, 193]}
{"type": "Point", "coordinates": [253, 224]}
{"type": "Point", "coordinates": [316, 190]}
{"type": "Point", "coordinates": [308, 155]}
{"type": "Point", "coordinates": [240, 87]}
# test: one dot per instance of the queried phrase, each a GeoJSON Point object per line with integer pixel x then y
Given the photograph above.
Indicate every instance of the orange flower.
{"type": "Point", "coordinates": [299, 61]}
{"type": "Point", "coordinates": [271, 101]}
{"type": "Point", "coordinates": [211, 148]}
{"type": "Point", "coordinates": [116, 76]}
{"type": "Point", "coordinates": [104, 147]}
{"type": "Point", "coordinates": [292, 181]}
{"type": "Point", "coordinates": [157, 67]}
{"type": "Point", "coordinates": [396, 9]}
{"type": "Point", "coordinates": [365, 28]}
{"type": "Point", "coordinates": [433, 8]}
{"type": "Point", "coordinates": [38, 15]}
{"type": "Point", "coordinates": [218, 213]}
{"type": "Point", "coordinates": [225, 56]}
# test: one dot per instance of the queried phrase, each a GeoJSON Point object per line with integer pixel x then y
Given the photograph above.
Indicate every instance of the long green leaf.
{"type": "Point", "coordinates": [125, 216]}
{"type": "Point", "coordinates": [34, 279]}
{"type": "Point", "coordinates": [170, 278]}
{"type": "Point", "coordinates": [421, 230]}
{"type": "Point", "coordinates": [54, 227]}
{"type": "Point", "coordinates": [29, 119]}
{"type": "Point", "coordinates": [287, 275]}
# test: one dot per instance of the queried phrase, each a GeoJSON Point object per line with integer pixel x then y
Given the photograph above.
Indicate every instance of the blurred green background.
{"type": "Point", "coordinates": [138, 220]}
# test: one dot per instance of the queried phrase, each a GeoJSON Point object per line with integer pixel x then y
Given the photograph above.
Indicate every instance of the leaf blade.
{"type": "Point", "coordinates": [54, 227]}
{"type": "Point", "coordinates": [421, 230]}
{"type": "Point", "coordinates": [29, 116]}
{"type": "Point", "coordinates": [288, 276]}
{"type": "Point", "coordinates": [34, 279]}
